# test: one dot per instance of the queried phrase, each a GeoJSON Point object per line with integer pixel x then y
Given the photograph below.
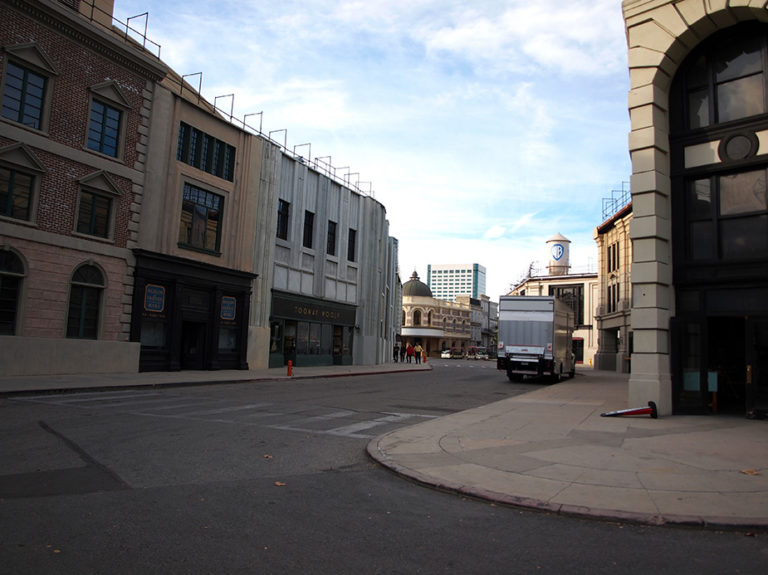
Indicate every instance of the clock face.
{"type": "Point", "coordinates": [557, 251]}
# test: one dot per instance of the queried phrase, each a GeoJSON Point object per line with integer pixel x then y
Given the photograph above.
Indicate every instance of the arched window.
{"type": "Point", "coordinates": [11, 274]}
{"type": "Point", "coordinates": [85, 302]}
{"type": "Point", "coordinates": [417, 317]}
{"type": "Point", "coordinates": [403, 317]}
{"type": "Point", "coordinates": [718, 106]}
{"type": "Point", "coordinates": [429, 318]}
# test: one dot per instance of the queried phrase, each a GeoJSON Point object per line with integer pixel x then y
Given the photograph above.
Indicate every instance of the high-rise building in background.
{"type": "Point", "coordinates": [449, 280]}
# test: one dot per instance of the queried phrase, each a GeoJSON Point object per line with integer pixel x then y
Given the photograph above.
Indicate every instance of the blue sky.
{"type": "Point", "coordinates": [485, 127]}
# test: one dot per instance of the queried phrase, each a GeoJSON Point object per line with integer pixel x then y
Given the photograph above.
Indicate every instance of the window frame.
{"type": "Point", "coordinates": [98, 185]}
{"type": "Point", "coordinates": [109, 95]}
{"type": "Point", "coordinates": [17, 277]}
{"type": "Point", "coordinates": [221, 199]}
{"type": "Point", "coordinates": [309, 230]}
{"type": "Point", "coordinates": [352, 245]}
{"type": "Point", "coordinates": [105, 132]}
{"type": "Point", "coordinates": [205, 152]}
{"type": "Point", "coordinates": [18, 158]}
{"type": "Point", "coordinates": [330, 246]}
{"type": "Point", "coordinates": [283, 219]}
{"type": "Point", "coordinates": [30, 58]}
{"type": "Point", "coordinates": [87, 306]}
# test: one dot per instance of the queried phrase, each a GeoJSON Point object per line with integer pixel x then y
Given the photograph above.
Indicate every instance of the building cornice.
{"type": "Point", "coordinates": [74, 26]}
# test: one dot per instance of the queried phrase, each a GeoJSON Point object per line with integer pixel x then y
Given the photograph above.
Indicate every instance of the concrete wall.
{"type": "Point", "coordinates": [56, 356]}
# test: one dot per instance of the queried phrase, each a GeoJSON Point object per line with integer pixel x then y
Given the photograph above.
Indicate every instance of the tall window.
{"type": "Point", "coordinates": [352, 245]}
{"type": "Point", "coordinates": [24, 96]}
{"type": "Point", "coordinates": [613, 257]}
{"type": "Point", "coordinates": [85, 302]}
{"type": "Point", "coordinates": [331, 245]}
{"type": "Point", "coordinates": [283, 214]}
{"type": "Point", "coordinates": [721, 209]}
{"type": "Point", "coordinates": [613, 297]}
{"type": "Point", "coordinates": [309, 229]}
{"type": "Point", "coordinates": [572, 295]}
{"type": "Point", "coordinates": [15, 193]}
{"type": "Point", "coordinates": [726, 83]}
{"type": "Point", "coordinates": [104, 128]}
{"type": "Point", "coordinates": [201, 213]}
{"type": "Point", "coordinates": [11, 274]}
{"type": "Point", "coordinates": [93, 215]}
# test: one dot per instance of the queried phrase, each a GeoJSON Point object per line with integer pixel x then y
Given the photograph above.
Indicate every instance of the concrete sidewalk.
{"type": "Point", "coordinates": [551, 450]}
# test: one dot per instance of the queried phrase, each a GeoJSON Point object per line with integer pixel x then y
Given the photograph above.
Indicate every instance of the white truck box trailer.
{"type": "Point", "coordinates": [535, 338]}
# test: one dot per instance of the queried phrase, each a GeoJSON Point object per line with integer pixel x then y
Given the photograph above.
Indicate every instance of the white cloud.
{"type": "Point", "coordinates": [484, 127]}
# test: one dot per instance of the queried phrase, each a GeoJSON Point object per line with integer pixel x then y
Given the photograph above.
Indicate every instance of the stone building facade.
{"type": "Point", "coordinates": [699, 151]}
{"type": "Point", "coordinates": [436, 324]}
{"type": "Point", "coordinates": [613, 313]}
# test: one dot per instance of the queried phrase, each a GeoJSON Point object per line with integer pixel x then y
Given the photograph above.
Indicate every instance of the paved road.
{"type": "Point", "coordinates": [272, 478]}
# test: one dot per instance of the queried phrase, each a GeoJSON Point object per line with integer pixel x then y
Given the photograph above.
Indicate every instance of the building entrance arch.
{"type": "Point", "coordinates": [719, 173]}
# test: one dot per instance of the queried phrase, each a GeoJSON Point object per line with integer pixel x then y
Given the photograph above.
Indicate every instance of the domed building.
{"type": "Point", "coordinates": [434, 323]}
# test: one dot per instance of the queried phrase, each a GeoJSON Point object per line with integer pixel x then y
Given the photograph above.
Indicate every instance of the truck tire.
{"type": "Point", "coordinates": [514, 377]}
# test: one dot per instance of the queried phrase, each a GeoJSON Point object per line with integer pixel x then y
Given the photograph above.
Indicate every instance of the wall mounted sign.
{"type": "Point", "coordinates": [154, 298]}
{"type": "Point", "coordinates": [228, 307]}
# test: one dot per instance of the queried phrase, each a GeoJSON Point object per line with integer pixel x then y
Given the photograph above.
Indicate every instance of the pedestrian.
{"type": "Point", "coordinates": [395, 353]}
{"type": "Point", "coordinates": [409, 352]}
{"type": "Point", "coordinates": [417, 352]}
{"type": "Point", "coordinates": [402, 353]}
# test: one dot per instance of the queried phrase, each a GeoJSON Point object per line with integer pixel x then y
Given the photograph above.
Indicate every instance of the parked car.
{"type": "Point", "coordinates": [477, 353]}
{"type": "Point", "coordinates": [457, 353]}
{"type": "Point", "coordinates": [445, 354]}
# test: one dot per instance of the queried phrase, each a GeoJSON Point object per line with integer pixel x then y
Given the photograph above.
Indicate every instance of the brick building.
{"type": "Point", "coordinates": [73, 131]}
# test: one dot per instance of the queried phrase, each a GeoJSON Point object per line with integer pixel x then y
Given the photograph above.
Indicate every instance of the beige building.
{"type": "Point", "coordinates": [699, 150]}
{"type": "Point", "coordinates": [435, 324]}
{"type": "Point", "coordinates": [613, 313]}
{"type": "Point", "coordinates": [580, 291]}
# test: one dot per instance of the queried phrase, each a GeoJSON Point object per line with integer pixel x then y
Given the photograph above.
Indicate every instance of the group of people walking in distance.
{"type": "Point", "coordinates": [408, 353]}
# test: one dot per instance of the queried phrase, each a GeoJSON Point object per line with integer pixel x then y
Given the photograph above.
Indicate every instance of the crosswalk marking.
{"type": "Point", "coordinates": [319, 420]}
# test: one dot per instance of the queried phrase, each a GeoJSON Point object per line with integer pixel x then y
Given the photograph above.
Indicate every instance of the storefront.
{"type": "Point", "coordinates": [189, 315]}
{"type": "Point", "coordinates": [309, 331]}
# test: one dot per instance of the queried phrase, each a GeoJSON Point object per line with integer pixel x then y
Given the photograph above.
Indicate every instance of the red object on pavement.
{"type": "Point", "coordinates": [650, 410]}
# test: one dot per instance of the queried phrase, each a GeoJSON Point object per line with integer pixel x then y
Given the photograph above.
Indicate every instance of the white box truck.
{"type": "Point", "coordinates": [535, 338]}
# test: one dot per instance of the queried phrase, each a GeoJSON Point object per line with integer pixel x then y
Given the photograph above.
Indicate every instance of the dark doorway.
{"type": "Point", "coordinates": [726, 366]}
{"type": "Point", "coordinates": [578, 349]}
{"type": "Point", "coordinates": [193, 345]}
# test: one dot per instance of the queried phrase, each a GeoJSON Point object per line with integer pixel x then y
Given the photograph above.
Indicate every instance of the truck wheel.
{"type": "Point", "coordinates": [515, 377]}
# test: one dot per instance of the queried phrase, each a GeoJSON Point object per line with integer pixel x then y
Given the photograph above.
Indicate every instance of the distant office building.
{"type": "Point", "coordinates": [449, 280]}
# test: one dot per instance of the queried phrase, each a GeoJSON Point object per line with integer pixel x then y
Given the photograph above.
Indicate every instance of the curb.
{"type": "Point", "coordinates": [569, 510]}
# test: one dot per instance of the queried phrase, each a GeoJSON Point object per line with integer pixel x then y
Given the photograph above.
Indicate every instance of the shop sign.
{"type": "Point", "coordinates": [228, 307]}
{"type": "Point", "coordinates": [154, 298]}
{"type": "Point", "coordinates": [309, 311]}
